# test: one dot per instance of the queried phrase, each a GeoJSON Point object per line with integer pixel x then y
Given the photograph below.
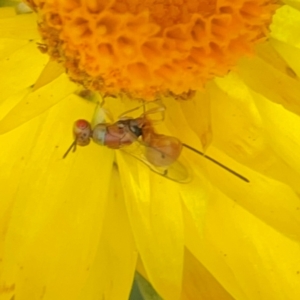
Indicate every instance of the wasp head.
{"type": "Point", "coordinates": [82, 132]}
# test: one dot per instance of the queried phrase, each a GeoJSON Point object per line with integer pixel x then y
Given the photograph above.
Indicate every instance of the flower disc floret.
{"type": "Point", "coordinates": [146, 48]}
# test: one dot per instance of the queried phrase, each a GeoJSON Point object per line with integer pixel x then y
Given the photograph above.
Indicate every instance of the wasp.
{"type": "Point", "coordinates": [138, 138]}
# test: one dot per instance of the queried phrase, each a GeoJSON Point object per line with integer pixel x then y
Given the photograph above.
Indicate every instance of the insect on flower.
{"type": "Point", "coordinates": [137, 137]}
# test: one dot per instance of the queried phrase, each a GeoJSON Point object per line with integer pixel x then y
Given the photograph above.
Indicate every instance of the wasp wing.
{"type": "Point", "coordinates": [177, 171]}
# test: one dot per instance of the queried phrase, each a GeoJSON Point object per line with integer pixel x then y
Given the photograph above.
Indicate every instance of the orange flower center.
{"type": "Point", "coordinates": [147, 48]}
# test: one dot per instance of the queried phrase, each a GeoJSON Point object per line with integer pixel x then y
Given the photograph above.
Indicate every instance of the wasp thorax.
{"type": "Point", "coordinates": [82, 132]}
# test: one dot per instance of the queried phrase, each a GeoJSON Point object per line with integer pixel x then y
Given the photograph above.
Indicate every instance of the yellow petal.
{"type": "Point", "coordinates": [293, 3]}
{"type": "Point", "coordinates": [290, 55]}
{"type": "Point", "coordinates": [270, 54]}
{"type": "Point", "coordinates": [9, 46]}
{"type": "Point", "coordinates": [10, 102]}
{"type": "Point", "coordinates": [37, 102]}
{"type": "Point", "coordinates": [199, 283]}
{"type": "Point", "coordinates": [208, 256]}
{"type": "Point", "coordinates": [51, 71]}
{"type": "Point", "coordinates": [249, 259]}
{"type": "Point", "coordinates": [56, 206]}
{"type": "Point", "coordinates": [242, 136]}
{"type": "Point", "coordinates": [271, 83]}
{"type": "Point", "coordinates": [19, 27]}
{"type": "Point", "coordinates": [243, 139]}
{"type": "Point", "coordinates": [273, 202]}
{"type": "Point", "coordinates": [282, 128]}
{"type": "Point", "coordinates": [21, 69]}
{"type": "Point", "coordinates": [7, 12]}
{"type": "Point", "coordinates": [199, 122]}
{"type": "Point", "coordinates": [112, 272]}
{"type": "Point", "coordinates": [285, 25]}
{"type": "Point", "coordinates": [177, 123]}
{"type": "Point", "coordinates": [195, 196]}
{"type": "Point", "coordinates": [154, 211]}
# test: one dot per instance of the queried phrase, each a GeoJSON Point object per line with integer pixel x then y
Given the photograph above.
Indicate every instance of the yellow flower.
{"type": "Point", "coordinates": [79, 228]}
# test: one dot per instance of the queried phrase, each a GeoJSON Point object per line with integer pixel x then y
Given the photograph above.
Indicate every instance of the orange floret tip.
{"type": "Point", "coordinates": [149, 48]}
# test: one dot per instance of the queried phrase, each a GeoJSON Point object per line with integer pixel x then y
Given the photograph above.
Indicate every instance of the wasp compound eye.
{"type": "Point", "coordinates": [81, 124]}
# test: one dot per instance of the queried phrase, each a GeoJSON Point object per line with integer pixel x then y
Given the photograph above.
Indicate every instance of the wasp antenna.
{"type": "Point", "coordinates": [216, 162]}
{"type": "Point", "coordinates": [73, 146]}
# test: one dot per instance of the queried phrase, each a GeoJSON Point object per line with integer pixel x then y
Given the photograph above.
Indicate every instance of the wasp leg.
{"type": "Point", "coordinates": [159, 109]}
